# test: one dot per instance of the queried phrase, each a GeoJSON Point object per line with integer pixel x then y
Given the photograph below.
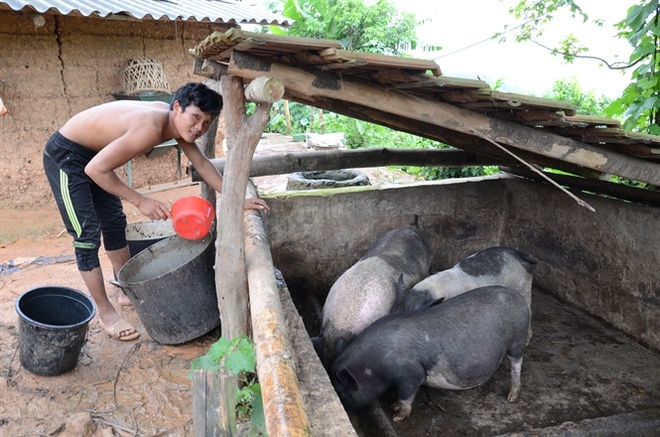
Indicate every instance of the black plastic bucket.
{"type": "Point", "coordinates": [171, 285]}
{"type": "Point", "coordinates": [141, 235]}
{"type": "Point", "coordinates": [52, 325]}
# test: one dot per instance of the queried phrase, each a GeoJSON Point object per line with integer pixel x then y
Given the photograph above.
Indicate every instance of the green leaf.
{"type": "Point", "coordinates": [219, 349]}
{"type": "Point", "coordinates": [277, 30]}
{"type": "Point", "coordinates": [257, 416]}
{"type": "Point", "coordinates": [242, 357]}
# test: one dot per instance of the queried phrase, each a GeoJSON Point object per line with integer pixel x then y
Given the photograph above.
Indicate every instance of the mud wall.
{"type": "Point", "coordinates": [604, 262]}
{"type": "Point", "coordinates": [72, 63]}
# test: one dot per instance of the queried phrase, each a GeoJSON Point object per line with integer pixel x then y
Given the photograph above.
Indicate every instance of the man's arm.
{"type": "Point", "coordinates": [211, 176]}
{"type": "Point", "coordinates": [203, 165]}
{"type": "Point", "coordinates": [101, 170]}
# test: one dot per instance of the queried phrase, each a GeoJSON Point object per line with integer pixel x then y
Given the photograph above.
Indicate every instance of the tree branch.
{"type": "Point", "coordinates": [610, 66]}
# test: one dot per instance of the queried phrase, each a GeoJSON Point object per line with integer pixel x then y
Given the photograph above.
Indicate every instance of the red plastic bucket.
{"type": "Point", "coordinates": [192, 217]}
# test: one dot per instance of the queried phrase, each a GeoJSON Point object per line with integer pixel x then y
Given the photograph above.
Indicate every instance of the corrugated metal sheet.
{"type": "Point", "coordinates": [216, 11]}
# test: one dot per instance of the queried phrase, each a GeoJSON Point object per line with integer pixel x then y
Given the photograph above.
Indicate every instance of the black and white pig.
{"type": "Point", "coordinates": [493, 266]}
{"type": "Point", "coordinates": [366, 291]}
{"type": "Point", "coordinates": [454, 345]}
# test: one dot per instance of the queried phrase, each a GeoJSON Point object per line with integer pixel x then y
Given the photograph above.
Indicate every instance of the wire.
{"type": "Point", "coordinates": [487, 39]}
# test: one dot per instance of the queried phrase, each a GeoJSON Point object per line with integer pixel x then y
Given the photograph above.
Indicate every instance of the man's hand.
{"type": "Point", "coordinates": [256, 203]}
{"type": "Point", "coordinates": [153, 209]}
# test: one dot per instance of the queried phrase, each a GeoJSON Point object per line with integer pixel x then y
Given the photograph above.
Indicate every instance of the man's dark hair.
{"type": "Point", "coordinates": [198, 94]}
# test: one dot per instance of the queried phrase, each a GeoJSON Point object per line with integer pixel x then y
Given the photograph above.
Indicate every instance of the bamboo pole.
{"type": "Point", "coordinates": [283, 405]}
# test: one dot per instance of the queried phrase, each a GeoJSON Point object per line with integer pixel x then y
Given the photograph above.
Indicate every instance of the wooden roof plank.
{"type": "Point", "coordinates": [377, 60]}
{"type": "Point", "coordinates": [593, 120]}
{"type": "Point", "coordinates": [608, 134]}
{"type": "Point", "coordinates": [284, 43]}
{"type": "Point", "coordinates": [220, 42]}
{"type": "Point", "coordinates": [481, 98]}
{"type": "Point", "coordinates": [635, 150]}
{"type": "Point", "coordinates": [497, 106]}
{"type": "Point", "coordinates": [533, 117]}
{"type": "Point", "coordinates": [513, 99]}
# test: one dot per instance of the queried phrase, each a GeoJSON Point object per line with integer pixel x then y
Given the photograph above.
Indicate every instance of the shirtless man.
{"type": "Point", "coordinates": [80, 160]}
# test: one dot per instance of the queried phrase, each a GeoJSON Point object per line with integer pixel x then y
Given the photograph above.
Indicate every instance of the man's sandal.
{"type": "Point", "coordinates": [121, 327]}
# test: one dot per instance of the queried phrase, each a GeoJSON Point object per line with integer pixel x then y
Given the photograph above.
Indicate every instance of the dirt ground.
{"type": "Point", "coordinates": [137, 388]}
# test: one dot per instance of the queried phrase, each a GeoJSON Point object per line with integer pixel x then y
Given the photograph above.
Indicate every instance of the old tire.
{"type": "Point", "coordinates": [313, 180]}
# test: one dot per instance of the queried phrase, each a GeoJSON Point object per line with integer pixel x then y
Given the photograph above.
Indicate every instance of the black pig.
{"type": "Point", "coordinates": [454, 345]}
{"type": "Point", "coordinates": [493, 266]}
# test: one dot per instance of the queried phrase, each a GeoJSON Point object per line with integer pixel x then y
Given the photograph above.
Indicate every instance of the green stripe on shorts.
{"type": "Point", "coordinates": [66, 198]}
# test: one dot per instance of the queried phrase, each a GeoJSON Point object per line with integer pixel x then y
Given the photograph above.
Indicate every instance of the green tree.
{"type": "Point", "coordinates": [585, 103]}
{"type": "Point", "coordinates": [640, 103]}
{"type": "Point", "coordinates": [378, 28]}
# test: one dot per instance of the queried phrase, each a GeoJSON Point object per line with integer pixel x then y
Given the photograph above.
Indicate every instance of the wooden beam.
{"type": "Point", "coordinates": [264, 89]}
{"type": "Point", "coordinates": [464, 141]}
{"type": "Point", "coordinates": [269, 39]}
{"type": "Point", "coordinates": [496, 132]}
{"type": "Point", "coordinates": [620, 191]}
{"type": "Point", "coordinates": [208, 68]}
{"type": "Point", "coordinates": [284, 163]}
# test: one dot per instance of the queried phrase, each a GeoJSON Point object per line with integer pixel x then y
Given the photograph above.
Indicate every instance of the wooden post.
{"type": "Point", "coordinates": [321, 121]}
{"type": "Point", "coordinates": [287, 116]}
{"type": "Point", "coordinates": [207, 144]}
{"type": "Point", "coordinates": [243, 134]}
{"type": "Point", "coordinates": [214, 404]}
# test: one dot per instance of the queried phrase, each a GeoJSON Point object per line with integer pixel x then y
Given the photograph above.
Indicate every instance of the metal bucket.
{"type": "Point", "coordinates": [143, 234]}
{"type": "Point", "coordinates": [171, 285]}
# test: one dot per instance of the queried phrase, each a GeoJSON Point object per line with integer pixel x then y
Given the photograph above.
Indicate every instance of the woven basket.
{"type": "Point", "coordinates": [143, 76]}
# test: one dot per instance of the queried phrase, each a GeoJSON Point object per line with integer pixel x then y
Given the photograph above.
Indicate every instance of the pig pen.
{"type": "Point", "coordinates": [592, 366]}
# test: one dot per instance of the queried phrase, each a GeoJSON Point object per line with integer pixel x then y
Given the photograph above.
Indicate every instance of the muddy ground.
{"type": "Point", "coordinates": [137, 388]}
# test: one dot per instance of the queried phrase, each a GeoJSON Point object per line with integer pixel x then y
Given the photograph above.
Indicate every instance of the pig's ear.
{"type": "Point", "coordinates": [347, 379]}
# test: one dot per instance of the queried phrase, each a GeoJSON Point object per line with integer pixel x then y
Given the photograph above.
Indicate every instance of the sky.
{"type": "Point", "coordinates": [461, 26]}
